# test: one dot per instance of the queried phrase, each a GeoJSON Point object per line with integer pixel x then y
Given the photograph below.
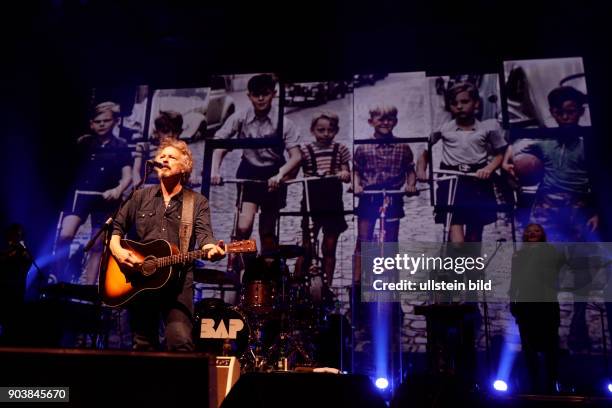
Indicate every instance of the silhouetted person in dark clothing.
{"type": "Point", "coordinates": [533, 293]}
{"type": "Point", "coordinates": [15, 262]}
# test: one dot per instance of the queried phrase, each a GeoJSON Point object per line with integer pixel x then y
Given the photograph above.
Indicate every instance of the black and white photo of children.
{"type": "Point", "coordinates": [527, 85]}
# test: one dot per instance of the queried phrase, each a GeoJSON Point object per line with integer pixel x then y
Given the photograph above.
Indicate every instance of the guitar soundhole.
{"type": "Point", "coordinates": [149, 266]}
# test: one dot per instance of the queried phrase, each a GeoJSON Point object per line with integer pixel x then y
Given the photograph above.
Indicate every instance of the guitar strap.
{"type": "Point", "coordinates": [186, 220]}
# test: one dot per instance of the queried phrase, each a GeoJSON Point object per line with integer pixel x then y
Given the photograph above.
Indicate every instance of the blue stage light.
{"type": "Point", "coordinates": [609, 387]}
{"type": "Point", "coordinates": [381, 383]}
{"type": "Point", "coordinates": [381, 336]}
{"type": "Point", "coordinates": [500, 385]}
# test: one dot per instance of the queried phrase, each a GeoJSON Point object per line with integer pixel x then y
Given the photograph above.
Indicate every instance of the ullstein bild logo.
{"type": "Point", "coordinates": [208, 331]}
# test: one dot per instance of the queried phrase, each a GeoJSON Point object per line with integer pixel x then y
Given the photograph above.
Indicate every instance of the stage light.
{"type": "Point", "coordinates": [381, 342]}
{"type": "Point", "coordinates": [500, 385]}
{"type": "Point", "coordinates": [508, 354]}
{"type": "Point", "coordinates": [609, 387]}
{"type": "Point", "coordinates": [381, 383]}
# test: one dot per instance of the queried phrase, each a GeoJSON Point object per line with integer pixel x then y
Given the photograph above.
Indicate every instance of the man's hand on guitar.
{"type": "Point", "coordinates": [215, 252]}
{"type": "Point", "coordinates": [125, 257]}
{"type": "Point", "coordinates": [120, 281]}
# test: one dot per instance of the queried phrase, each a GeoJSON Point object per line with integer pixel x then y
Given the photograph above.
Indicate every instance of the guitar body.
{"type": "Point", "coordinates": [119, 283]}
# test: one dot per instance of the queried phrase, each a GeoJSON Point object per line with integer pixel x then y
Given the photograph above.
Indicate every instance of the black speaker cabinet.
{"type": "Point", "coordinates": [111, 378]}
{"type": "Point", "coordinates": [269, 390]}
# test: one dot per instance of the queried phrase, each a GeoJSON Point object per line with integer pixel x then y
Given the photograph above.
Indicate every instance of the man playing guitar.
{"type": "Point", "coordinates": [155, 213]}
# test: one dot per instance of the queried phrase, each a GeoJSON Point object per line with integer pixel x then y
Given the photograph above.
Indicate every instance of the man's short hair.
{"type": "Point", "coordinates": [557, 96]}
{"type": "Point", "coordinates": [383, 110]}
{"type": "Point", "coordinates": [104, 107]}
{"type": "Point", "coordinates": [260, 84]}
{"type": "Point", "coordinates": [169, 122]}
{"type": "Point", "coordinates": [330, 116]}
{"type": "Point", "coordinates": [456, 89]}
{"type": "Point", "coordinates": [187, 159]}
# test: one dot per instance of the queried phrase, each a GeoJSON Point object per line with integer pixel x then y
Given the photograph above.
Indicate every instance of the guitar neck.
{"type": "Point", "coordinates": [246, 246]}
{"type": "Point", "coordinates": [181, 258]}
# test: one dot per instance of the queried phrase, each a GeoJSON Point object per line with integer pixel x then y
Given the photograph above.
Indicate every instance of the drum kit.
{"type": "Point", "coordinates": [280, 316]}
{"type": "Point", "coordinates": [276, 324]}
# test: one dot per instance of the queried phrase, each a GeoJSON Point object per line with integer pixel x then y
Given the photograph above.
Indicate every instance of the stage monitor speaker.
{"type": "Point", "coordinates": [452, 391]}
{"type": "Point", "coordinates": [296, 390]}
{"type": "Point", "coordinates": [223, 375]}
{"type": "Point", "coordinates": [100, 378]}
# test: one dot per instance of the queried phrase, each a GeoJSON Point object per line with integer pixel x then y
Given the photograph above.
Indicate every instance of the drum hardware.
{"type": "Point", "coordinates": [212, 277]}
{"type": "Point", "coordinates": [290, 345]}
{"type": "Point", "coordinates": [216, 280]}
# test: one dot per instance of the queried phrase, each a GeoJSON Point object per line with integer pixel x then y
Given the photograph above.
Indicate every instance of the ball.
{"type": "Point", "coordinates": [528, 168]}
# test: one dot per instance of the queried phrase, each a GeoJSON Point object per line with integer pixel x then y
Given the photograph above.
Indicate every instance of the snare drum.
{"type": "Point", "coordinates": [219, 328]}
{"type": "Point", "coordinates": [258, 296]}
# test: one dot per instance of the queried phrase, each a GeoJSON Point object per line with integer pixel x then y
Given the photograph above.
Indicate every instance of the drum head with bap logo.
{"type": "Point", "coordinates": [219, 328]}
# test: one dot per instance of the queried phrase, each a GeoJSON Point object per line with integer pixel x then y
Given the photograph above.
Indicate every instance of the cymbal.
{"type": "Point", "coordinates": [212, 277]}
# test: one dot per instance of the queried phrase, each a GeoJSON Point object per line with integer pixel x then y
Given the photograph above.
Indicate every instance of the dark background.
{"type": "Point", "coordinates": [54, 51]}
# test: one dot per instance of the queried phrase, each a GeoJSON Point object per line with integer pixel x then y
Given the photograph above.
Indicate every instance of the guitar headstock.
{"type": "Point", "coordinates": [248, 245]}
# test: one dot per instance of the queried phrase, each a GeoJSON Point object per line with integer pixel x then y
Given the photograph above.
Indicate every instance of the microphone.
{"type": "Point", "coordinates": [26, 250]}
{"type": "Point", "coordinates": [154, 164]}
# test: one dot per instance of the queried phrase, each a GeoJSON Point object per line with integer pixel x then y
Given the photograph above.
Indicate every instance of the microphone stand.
{"type": "Point", "coordinates": [109, 222]}
{"type": "Point", "coordinates": [29, 254]}
{"type": "Point", "coordinates": [39, 272]}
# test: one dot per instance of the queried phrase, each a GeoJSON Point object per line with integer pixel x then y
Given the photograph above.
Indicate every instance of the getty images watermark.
{"type": "Point", "coordinates": [492, 271]}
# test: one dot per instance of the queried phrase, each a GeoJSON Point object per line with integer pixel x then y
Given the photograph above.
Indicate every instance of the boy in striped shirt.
{"type": "Point", "coordinates": [324, 157]}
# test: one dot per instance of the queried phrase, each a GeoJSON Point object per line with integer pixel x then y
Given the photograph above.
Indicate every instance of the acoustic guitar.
{"type": "Point", "coordinates": [155, 267]}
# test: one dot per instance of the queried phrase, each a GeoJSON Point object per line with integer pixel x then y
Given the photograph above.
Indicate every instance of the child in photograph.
{"type": "Point", "coordinates": [467, 144]}
{"type": "Point", "coordinates": [260, 121]}
{"type": "Point", "coordinates": [564, 202]}
{"type": "Point", "coordinates": [381, 166]}
{"type": "Point", "coordinates": [105, 169]}
{"type": "Point", "coordinates": [168, 125]}
{"type": "Point", "coordinates": [324, 157]}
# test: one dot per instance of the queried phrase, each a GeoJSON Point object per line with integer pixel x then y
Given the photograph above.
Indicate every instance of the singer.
{"type": "Point", "coordinates": [156, 212]}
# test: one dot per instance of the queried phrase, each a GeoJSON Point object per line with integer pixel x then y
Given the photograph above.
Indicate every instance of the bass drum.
{"type": "Point", "coordinates": [220, 329]}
